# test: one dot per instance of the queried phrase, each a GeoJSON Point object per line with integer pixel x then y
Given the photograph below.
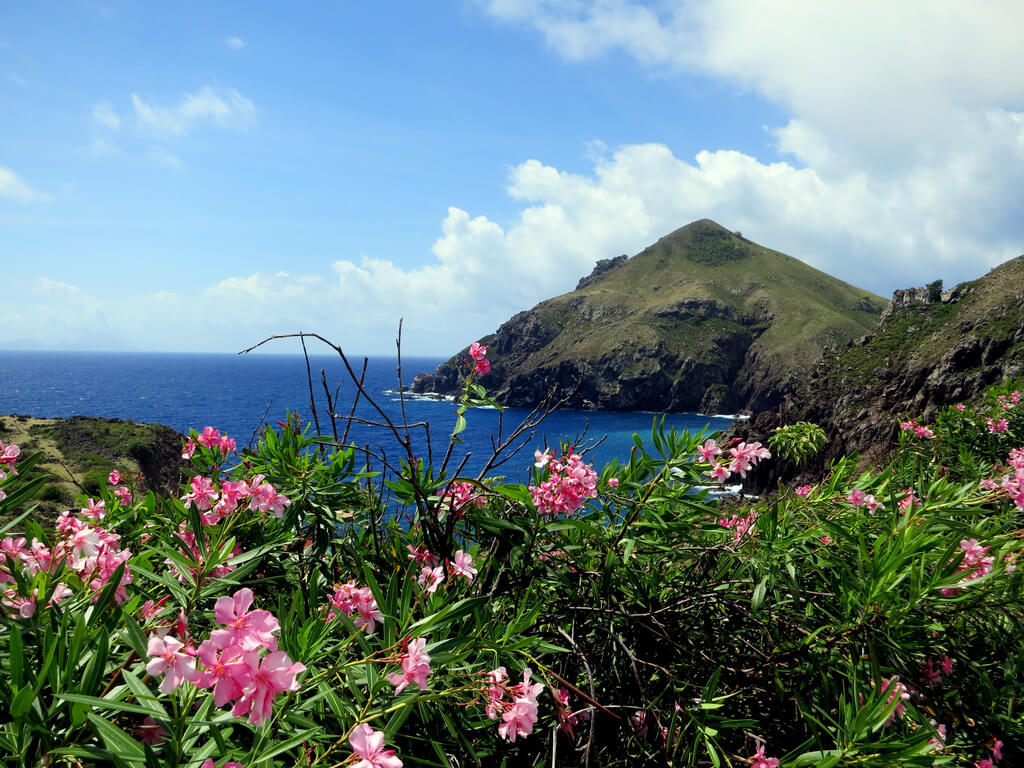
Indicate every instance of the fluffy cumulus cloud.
{"type": "Point", "coordinates": [906, 131]}
{"type": "Point", "coordinates": [226, 109]}
{"type": "Point", "coordinates": [13, 188]}
{"type": "Point", "coordinates": [235, 43]}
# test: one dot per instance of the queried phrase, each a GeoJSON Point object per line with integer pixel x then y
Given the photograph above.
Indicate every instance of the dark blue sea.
{"type": "Point", "coordinates": [238, 393]}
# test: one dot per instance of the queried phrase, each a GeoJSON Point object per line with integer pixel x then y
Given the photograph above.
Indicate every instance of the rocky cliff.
{"type": "Point", "coordinates": [931, 349]}
{"type": "Point", "coordinates": [703, 320]}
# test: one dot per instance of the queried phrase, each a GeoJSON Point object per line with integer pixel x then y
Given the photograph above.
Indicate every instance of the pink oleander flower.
{"type": "Point", "coordinates": [483, 366]}
{"type": "Point", "coordinates": [719, 473]}
{"type": "Point", "coordinates": [923, 431]}
{"type": "Point", "coordinates": [613, 482]}
{"type": "Point", "coordinates": [709, 451]}
{"type": "Point", "coordinates": [519, 718]}
{"type": "Point", "coordinates": [909, 500]}
{"type": "Point", "coordinates": [265, 498]}
{"type": "Point", "coordinates": [431, 578]}
{"type": "Point", "coordinates": [457, 497]}
{"type": "Point", "coordinates": [123, 495]}
{"type": "Point", "coordinates": [114, 477]}
{"type": "Point", "coordinates": [759, 760]}
{"type": "Point", "coordinates": [947, 665]}
{"type": "Point", "coordinates": [496, 692]}
{"type": "Point", "coordinates": [896, 691]}
{"type": "Point", "coordinates": [740, 525]}
{"type": "Point", "coordinates": [368, 745]}
{"type": "Point", "coordinates": [422, 556]}
{"type": "Point", "coordinates": [477, 351]}
{"type": "Point", "coordinates": [226, 671]}
{"type": "Point", "coordinates": [938, 741]}
{"type": "Point", "coordinates": [208, 763]}
{"type": "Point", "coordinates": [169, 655]}
{"type": "Point", "coordinates": [203, 494]}
{"type": "Point", "coordinates": [248, 629]}
{"type": "Point", "coordinates": [415, 667]}
{"type": "Point", "coordinates": [150, 732]}
{"type": "Point", "coordinates": [825, 539]}
{"type": "Point", "coordinates": [996, 746]}
{"type": "Point", "coordinates": [985, 762]}
{"type": "Point", "coordinates": [226, 444]}
{"type": "Point", "coordinates": [997, 427]}
{"type": "Point", "coordinates": [210, 437]}
{"type": "Point", "coordinates": [569, 484]}
{"type": "Point", "coordinates": [188, 450]}
{"type": "Point", "coordinates": [960, 407]}
{"type": "Point", "coordinates": [149, 609]}
{"type": "Point", "coordinates": [268, 676]}
{"type": "Point", "coordinates": [95, 510]}
{"type": "Point", "coordinates": [804, 490]}
{"type": "Point", "coordinates": [9, 454]}
{"type": "Point", "coordinates": [16, 605]}
{"type": "Point", "coordinates": [463, 566]}
{"type": "Point", "coordinates": [745, 456]}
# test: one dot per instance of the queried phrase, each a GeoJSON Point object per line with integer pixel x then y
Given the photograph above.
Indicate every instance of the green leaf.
{"type": "Point", "coordinates": [95, 702]}
{"type": "Point", "coordinates": [759, 593]}
{"type": "Point", "coordinates": [123, 746]}
{"type": "Point", "coordinates": [22, 702]}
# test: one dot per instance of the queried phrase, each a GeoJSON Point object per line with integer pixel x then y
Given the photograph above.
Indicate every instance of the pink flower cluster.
{"type": "Point", "coordinates": [457, 496]}
{"type": "Point", "coordinates": [858, 498]}
{"type": "Point", "coordinates": [740, 526]}
{"type": "Point", "coordinates": [933, 670]}
{"type": "Point", "coordinates": [432, 574]}
{"type": "Point", "coordinates": [975, 564]}
{"type": "Point", "coordinates": [356, 601]}
{"type": "Point", "coordinates": [909, 500]}
{"type": "Point", "coordinates": [516, 705]}
{"type": "Point", "coordinates": [569, 484]}
{"type": "Point", "coordinates": [240, 661]}
{"type": "Point", "coordinates": [90, 553]}
{"type": "Point", "coordinates": [415, 667]}
{"type": "Point", "coordinates": [897, 692]}
{"type": "Point", "coordinates": [912, 426]}
{"type": "Point", "coordinates": [739, 460]}
{"type": "Point", "coordinates": [216, 504]}
{"type": "Point", "coordinates": [210, 438]}
{"type": "Point", "coordinates": [368, 745]}
{"type": "Point", "coordinates": [8, 456]}
{"type": "Point", "coordinates": [759, 760]}
{"type": "Point", "coordinates": [479, 355]}
{"type": "Point", "coordinates": [997, 427]}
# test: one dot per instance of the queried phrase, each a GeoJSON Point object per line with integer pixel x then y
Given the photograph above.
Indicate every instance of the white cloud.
{"type": "Point", "coordinates": [103, 113]}
{"type": "Point", "coordinates": [235, 43]}
{"type": "Point", "coordinates": [878, 236]}
{"type": "Point", "coordinates": [17, 80]}
{"type": "Point", "coordinates": [224, 108]}
{"type": "Point", "coordinates": [165, 159]}
{"type": "Point", "coordinates": [13, 188]}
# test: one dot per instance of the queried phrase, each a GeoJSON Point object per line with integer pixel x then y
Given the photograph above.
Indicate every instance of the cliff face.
{"type": "Point", "coordinates": [928, 352]}
{"type": "Point", "coordinates": [703, 320]}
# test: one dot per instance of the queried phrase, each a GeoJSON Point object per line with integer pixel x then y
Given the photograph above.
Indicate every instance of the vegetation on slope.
{"type": "Point", "coordinates": [923, 356]}
{"type": "Point", "coordinates": [79, 453]}
{"type": "Point", "coordinates": [617, 620]}
{"type": "Point", "coordinates": [703, 319]}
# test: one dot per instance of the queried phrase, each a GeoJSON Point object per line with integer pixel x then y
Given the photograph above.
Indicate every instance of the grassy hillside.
{"type": "Point", "coordinates": [703, 319]}
{"type": "Point", "coordinates": [79, 454]}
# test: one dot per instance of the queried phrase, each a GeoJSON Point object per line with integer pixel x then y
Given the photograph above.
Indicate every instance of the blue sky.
{"type": "Point", "coordinates": [200, 176]}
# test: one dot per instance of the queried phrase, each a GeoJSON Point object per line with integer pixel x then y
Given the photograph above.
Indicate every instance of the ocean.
{"type": "Point", "coordinates": [238, 393]}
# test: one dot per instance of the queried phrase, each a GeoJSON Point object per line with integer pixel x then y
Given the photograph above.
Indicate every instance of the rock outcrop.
{"type": "Point", "coordinates": [703, 320]}
{"type": "Point", "coordinates": [924, 355]}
